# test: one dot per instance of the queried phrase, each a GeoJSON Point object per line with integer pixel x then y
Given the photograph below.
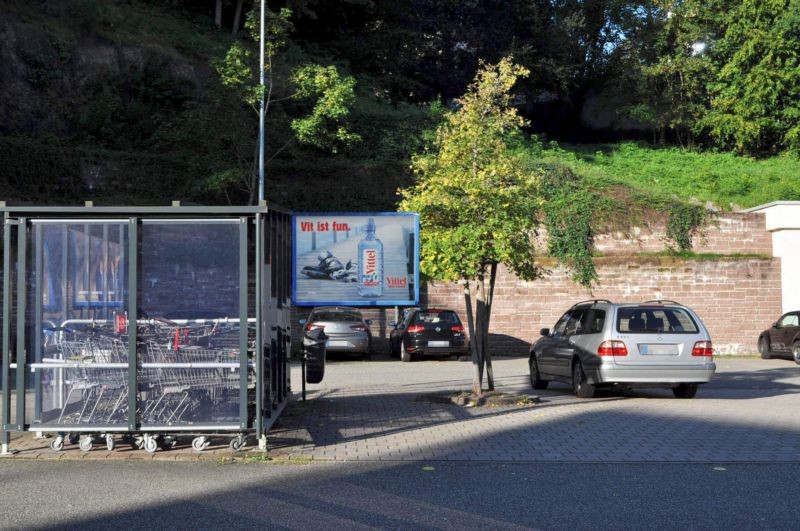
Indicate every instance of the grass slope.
{"type": "Point", "coordinates": [728, 181]}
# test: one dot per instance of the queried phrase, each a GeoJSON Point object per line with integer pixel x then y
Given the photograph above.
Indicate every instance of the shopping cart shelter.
{"type": "Point", "coordinates": [145, 323]}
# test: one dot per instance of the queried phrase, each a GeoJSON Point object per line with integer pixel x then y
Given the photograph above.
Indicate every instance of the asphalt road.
{"type": "Point", "coordinates": [108, 495]}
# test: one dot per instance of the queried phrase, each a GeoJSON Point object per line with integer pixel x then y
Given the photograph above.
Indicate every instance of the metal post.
{"type": "Point", "coordinates": [303, 365]}
{"type": "Point", "coordinates": [22, 296]}
{"type": "Point", "coordinates": [243, 283]}
{"type": "Point", "coordinates": [5, 415]}
{"type": "Point", "coordinates": [258, 355]}
{"type": "Point", "coordinates": [261, 112]}
{"type": "Point", "coordinates": [38, 251]}
{"type": "Point", "coordinates": [133, 310]}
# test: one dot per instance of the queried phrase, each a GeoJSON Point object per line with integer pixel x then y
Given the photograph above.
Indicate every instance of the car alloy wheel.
{"type": "Point", "coordinates": [536, 379]}
{"type": "Point", "coordinates": [796, 352]}
{"type": "Point", "coordinates": [581, 387]}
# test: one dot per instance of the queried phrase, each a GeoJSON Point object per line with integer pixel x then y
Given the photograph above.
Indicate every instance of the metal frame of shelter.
{"type": "Point", "coordinates": [121, 389]}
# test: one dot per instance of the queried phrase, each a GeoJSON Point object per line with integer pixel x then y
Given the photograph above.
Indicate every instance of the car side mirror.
{"type": "Point", "coordinates": [777, 324]}
{"type": "Point", "coordinates": [544, 332]}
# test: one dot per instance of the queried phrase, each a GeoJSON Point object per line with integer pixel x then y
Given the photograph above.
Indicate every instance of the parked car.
{"type": "Point", "coordinates": [782, 338]}
{"type": "Point", "coordinates": [345, 328]}
{"type": "Point", "coordinates": [430, 331]}
{"type": "Point", "coordinates": [600, 344]}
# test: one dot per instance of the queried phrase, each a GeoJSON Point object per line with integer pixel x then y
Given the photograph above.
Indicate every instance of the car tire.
{"type": "Point", "coordinates": [685, 390]}
{"type": "Point", "coordinates": [536, 379]}
{"type": "Point", "coordinates": [763, 348]}
{"type": "Point", "coordinates": [581, 387]}
{"type": "Point", "coordinates": [405, 356]}
{"type": "Point", "coordinates": [796, 352]}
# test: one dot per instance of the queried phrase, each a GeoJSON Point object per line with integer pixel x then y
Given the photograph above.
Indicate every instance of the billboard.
{"type": "Point", "coordinates": [355, 259]}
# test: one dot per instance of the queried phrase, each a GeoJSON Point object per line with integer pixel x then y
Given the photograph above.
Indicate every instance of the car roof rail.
{"type": "Point", "coordinates": [593, 301]}
{"type": "Point", "coordinates": [661, 301]}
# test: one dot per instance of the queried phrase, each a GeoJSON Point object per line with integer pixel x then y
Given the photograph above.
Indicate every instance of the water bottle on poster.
{"type": "Point", "coordinates": [370, 253]}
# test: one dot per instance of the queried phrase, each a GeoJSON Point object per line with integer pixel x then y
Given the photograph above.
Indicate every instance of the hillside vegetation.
{"type": "Point", "coordinates": [726, 180]}
{"type": "Point", "coordinates": [125, 101]}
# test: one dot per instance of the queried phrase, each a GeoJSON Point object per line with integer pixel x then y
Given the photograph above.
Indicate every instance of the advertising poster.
{"type": "Point", "coordinates": [355, 259]}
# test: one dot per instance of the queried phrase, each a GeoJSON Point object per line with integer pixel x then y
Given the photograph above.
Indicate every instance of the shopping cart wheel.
{"type": "Point", "coordinates": [57, 444]}
{"type": "Point", "coordinates": [86, 444]}
{"type": "Point", "coordinates": [73, 438]}
{"type": "Point", "coordinates": [150, 445]}
{"type": "Point", "coordinates": [237, 443]}
{"type": "Point", "coordinates": [200, 443]}
{"type": "Point", "coordinates": [137, 443]}
{"type": "Point", "coordinates": [110, 443]}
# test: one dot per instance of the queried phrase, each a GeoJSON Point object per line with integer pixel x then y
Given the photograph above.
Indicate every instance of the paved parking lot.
{"type": "Point", "coordinates": [385, 410]}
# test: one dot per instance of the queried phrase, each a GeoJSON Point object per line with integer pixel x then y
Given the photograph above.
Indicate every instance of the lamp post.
{"type": "Point", "coordinates": [261, 113]}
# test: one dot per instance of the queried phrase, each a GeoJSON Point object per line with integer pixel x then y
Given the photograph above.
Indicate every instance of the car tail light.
{"type": "Point", "coordinates": [310, 327]}
{"type": "Point", "coordinates": [703, 348]}
{"type": "Point", "coordinates": [359, 328]}
{"type": "Point", "coordinates": [413, 329]}
{"type": "Point", "coordinates": [612, 348]}
{"type": "Point", "coordinates": [457, 328]}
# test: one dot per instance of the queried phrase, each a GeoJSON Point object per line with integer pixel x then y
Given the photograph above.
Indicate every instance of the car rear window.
{"type": "Point", "coordinates": [644, 320]}
{"type": "Point", "coordinates": [433, 317]}
{"type": "Point", "coordinates": [336, 317]}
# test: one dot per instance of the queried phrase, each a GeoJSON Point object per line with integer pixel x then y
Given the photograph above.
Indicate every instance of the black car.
{"type": "Point", "coordinates": [428, 331]}
{"type": "Point", "coordinates": [782, 338]}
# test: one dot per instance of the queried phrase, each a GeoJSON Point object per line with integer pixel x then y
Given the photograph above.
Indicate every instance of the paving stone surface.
{"type": "Point", "coordinates": [378, 411]}
{"type": "Point", "coordinates": [385, 410]}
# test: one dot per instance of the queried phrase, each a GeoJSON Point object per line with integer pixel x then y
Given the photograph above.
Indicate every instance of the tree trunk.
{"type": "Point", "coordinates": [476, 374]}
{"type": "Point", "coordinates": [218, 14]}
{"type": "Point", "coordinates": [237, 18]}
{"type": "Point", "coordinates": [480, 324]}
{"type": "Point", "coordinates": [487, 353]}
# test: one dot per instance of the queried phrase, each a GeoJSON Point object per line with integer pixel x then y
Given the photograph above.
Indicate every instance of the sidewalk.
{"type": "Point", "coordinates": [386, 410]}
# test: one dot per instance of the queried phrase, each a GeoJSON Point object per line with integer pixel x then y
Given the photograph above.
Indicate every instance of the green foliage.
{"type": "Point", "coordinates": [477, 203]}
{"type": "Point", "coordinates": [660, 174]}
{"type": "Point", "coordinates": [685, 222]}
{"type": "Point", "coordinates": [235, 71]}
{"type": "Point", "coordinates": [755, 106]}
{"type": "Point", "coordinates": [333, 96]}
{"type": "Point", "coordinates": [570, 213]}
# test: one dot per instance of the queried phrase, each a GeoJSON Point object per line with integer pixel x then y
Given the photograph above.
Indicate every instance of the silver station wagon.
{"type": "Point", "coordinates": [598, 344]}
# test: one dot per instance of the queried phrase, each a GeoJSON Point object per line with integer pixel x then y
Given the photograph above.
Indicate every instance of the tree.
{"type": "Point", "coordinates": [670, 68]}
{"type": "Point", "coordinates": [755, 98]}
{"type": "Point", "coordinates": [321, 91]}
{"type": "Point", "coordinates": [480, 201]}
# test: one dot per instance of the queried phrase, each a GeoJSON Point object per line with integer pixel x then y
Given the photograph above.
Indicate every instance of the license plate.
{"type": "Point", "coordinates": [337, 343]}
{"type": "Point", "coordinates": [438, 343]}
{"type": "Point", "coordinates": [658, 350]}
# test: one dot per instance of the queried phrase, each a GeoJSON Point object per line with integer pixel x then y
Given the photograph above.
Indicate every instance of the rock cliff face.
{"type": "Point", "coordinates": [76, 101]}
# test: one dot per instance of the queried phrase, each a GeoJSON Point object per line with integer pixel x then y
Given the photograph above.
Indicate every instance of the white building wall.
{"type": "Point", "coordinates": [783, 221]}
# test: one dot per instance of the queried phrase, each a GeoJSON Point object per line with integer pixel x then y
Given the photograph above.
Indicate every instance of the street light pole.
{"type": "Point", "coordinates": [261, 114]}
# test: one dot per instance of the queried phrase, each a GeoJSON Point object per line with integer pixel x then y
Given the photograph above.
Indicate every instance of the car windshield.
{"type": "Point", "coordinates": [646, 320]}
{"type": "Point", "coordinates": [336, 316]}
{"type": "Point", "coordinates": [433, 317]}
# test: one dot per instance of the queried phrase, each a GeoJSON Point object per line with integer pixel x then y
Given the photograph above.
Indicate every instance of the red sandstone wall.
{"type": "Point", "coordinates": [736, 298]}
{"type": "Point", "coordinates": [733, 233]}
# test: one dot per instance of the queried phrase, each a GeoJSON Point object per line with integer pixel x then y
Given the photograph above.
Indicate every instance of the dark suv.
{"type": "Point", "coordinates": [428, 331]}
{"type": "Point", "coordinates": [602, 344]}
